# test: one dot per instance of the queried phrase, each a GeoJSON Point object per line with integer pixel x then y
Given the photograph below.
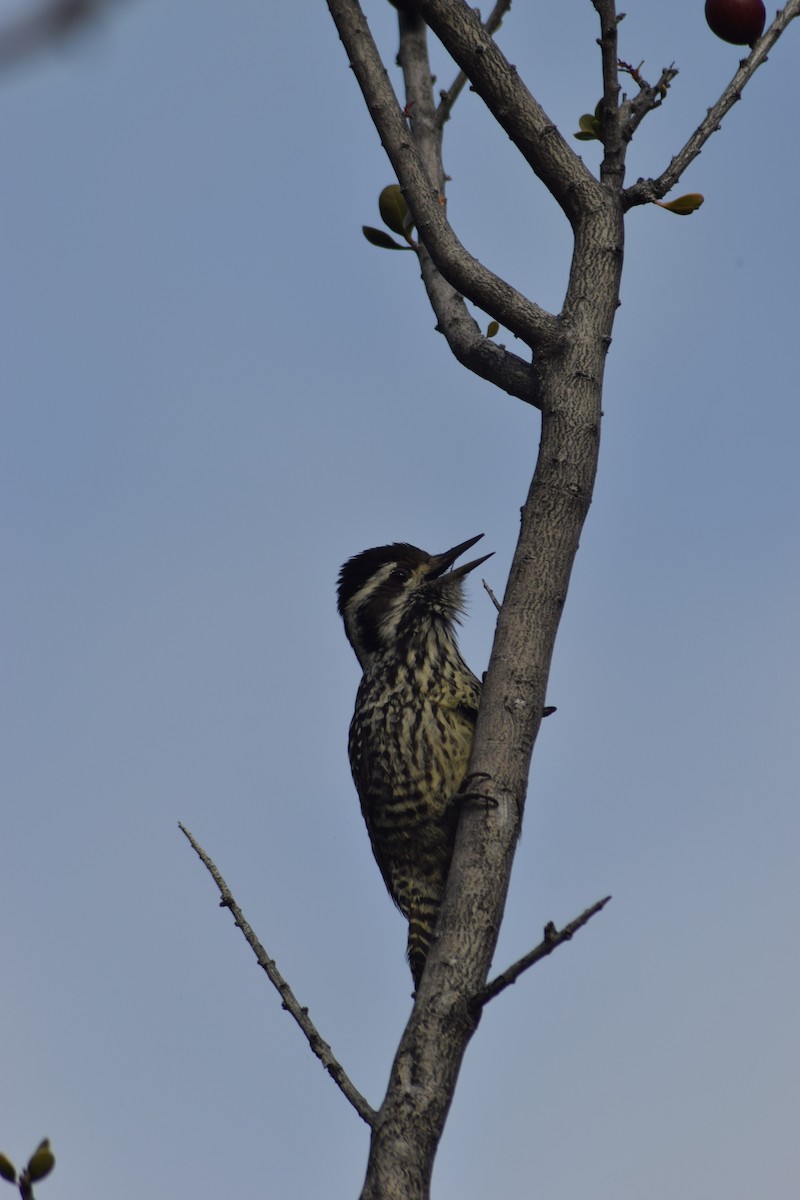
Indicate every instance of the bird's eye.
{"type": "Point", "coordinates": [400, 575]}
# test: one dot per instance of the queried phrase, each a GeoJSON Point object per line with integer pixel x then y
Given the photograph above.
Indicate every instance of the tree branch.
{"type": "Point", "coordinates": [613, 165]}
{"type": "Point", "coordinates": [650, 96]}
{"type": "Point", "coordinates": [478, 353]}
{"type": "Point", "coordinates": [468, 344]}
{"type": "Point", "coordinates": [288, 999]}
{"type": "Point", "coordinates": [646, 190]}
{"type": "Point", "coordinates": [538, 328]}
{"type": "Point", "coordinates": [448, 98]}
{"type": "Point", "coordinates": [497, 82]}
{"type": "Point", "coordinates": [409, 1123]}
{"type": "Point", "coordinates": [553, 938]}
{"type": "Point", "coordinates": [569, 375]}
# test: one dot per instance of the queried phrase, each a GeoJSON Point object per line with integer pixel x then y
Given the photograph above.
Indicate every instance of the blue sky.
{"type": "Point", "coordinates": [214, 392]}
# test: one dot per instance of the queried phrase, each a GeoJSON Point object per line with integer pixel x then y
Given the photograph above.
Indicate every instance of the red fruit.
{"type": "Point", "coordinates": [738, 21]}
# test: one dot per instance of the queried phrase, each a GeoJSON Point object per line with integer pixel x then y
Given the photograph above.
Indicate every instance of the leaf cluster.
{"type": "Point", "coordinates": [396, 216]}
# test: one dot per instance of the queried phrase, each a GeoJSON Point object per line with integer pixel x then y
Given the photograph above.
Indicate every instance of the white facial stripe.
{"type": "Point", "coordinates": [373, 583]}
{"type": "Point", "coordinates": [373, 623]}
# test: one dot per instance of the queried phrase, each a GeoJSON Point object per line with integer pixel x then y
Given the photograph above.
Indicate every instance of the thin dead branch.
{"type": "Point", "coordinates": [288, 999]}
{"type": "Point", "coordinates": [553, 938]}
{"type": "Point", "coordinates": [491, 595]}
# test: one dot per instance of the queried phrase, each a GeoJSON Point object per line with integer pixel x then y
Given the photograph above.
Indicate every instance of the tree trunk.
{"type": "Point", "coordinates": [425, 1070]}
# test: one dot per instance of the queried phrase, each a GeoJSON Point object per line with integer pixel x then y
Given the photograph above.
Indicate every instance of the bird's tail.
{"type": "Point", "coordinates": [421, 926]}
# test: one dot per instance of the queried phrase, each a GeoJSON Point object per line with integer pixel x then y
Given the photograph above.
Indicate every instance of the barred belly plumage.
{"type": "Point", "coordinates": [411, 732]}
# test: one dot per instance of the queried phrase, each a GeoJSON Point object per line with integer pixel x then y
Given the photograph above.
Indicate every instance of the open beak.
{"type": "Point", "coordinates": [441, 563]}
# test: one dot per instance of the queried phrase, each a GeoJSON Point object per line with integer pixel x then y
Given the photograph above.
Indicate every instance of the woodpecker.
{"type": "Point", "coordinates": [411, 732]}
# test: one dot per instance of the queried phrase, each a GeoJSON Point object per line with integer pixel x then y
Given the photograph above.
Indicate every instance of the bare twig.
{"type": "Point", "coordinates": [288, 998]}
{"type": "Point", "coordinates": [448, 98]}
{"type": "Point", "coordinates": [650, 96]}
{"type": "Point", "coordinates": [553, 938]}
{"type": "Point", "coordinates": [491, 595]}
{"type": "Point", "coordinates": [613, 159]}
{"type": "Point", "coordinates": [646, 190]}
{"type": "Point", "coordinates": [634, 72]}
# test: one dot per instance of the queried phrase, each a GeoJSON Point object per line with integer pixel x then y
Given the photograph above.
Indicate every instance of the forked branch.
{"type": "Point", "coordinates": [646, 190]}
{"type": "Point", "coordinates": [532, 324]}
{"type": "Point", "coordinates": [470, 346]}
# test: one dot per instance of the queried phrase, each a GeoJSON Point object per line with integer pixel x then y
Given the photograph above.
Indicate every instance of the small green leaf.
{"type": "Point", "coordinates": [683, 206]}
{"type": "Point", "coordinates": [394, 210]}
{"type": "Point", "coordinates": [377, 237]}
{"type": "Point", "coordinates": [7, 1169]}
{"type": "Point", "coordinates": [493, 329]}
{"type": "Point", "coordinates": [42, 1162]}
{"type": "Point", "coordinates": [598, 110]}
{"type": "Point", "coordinates": [590, 128]}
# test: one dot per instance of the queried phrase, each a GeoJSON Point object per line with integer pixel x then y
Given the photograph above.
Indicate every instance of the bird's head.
{"type": "Point", "coordinates": [390, 595]}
